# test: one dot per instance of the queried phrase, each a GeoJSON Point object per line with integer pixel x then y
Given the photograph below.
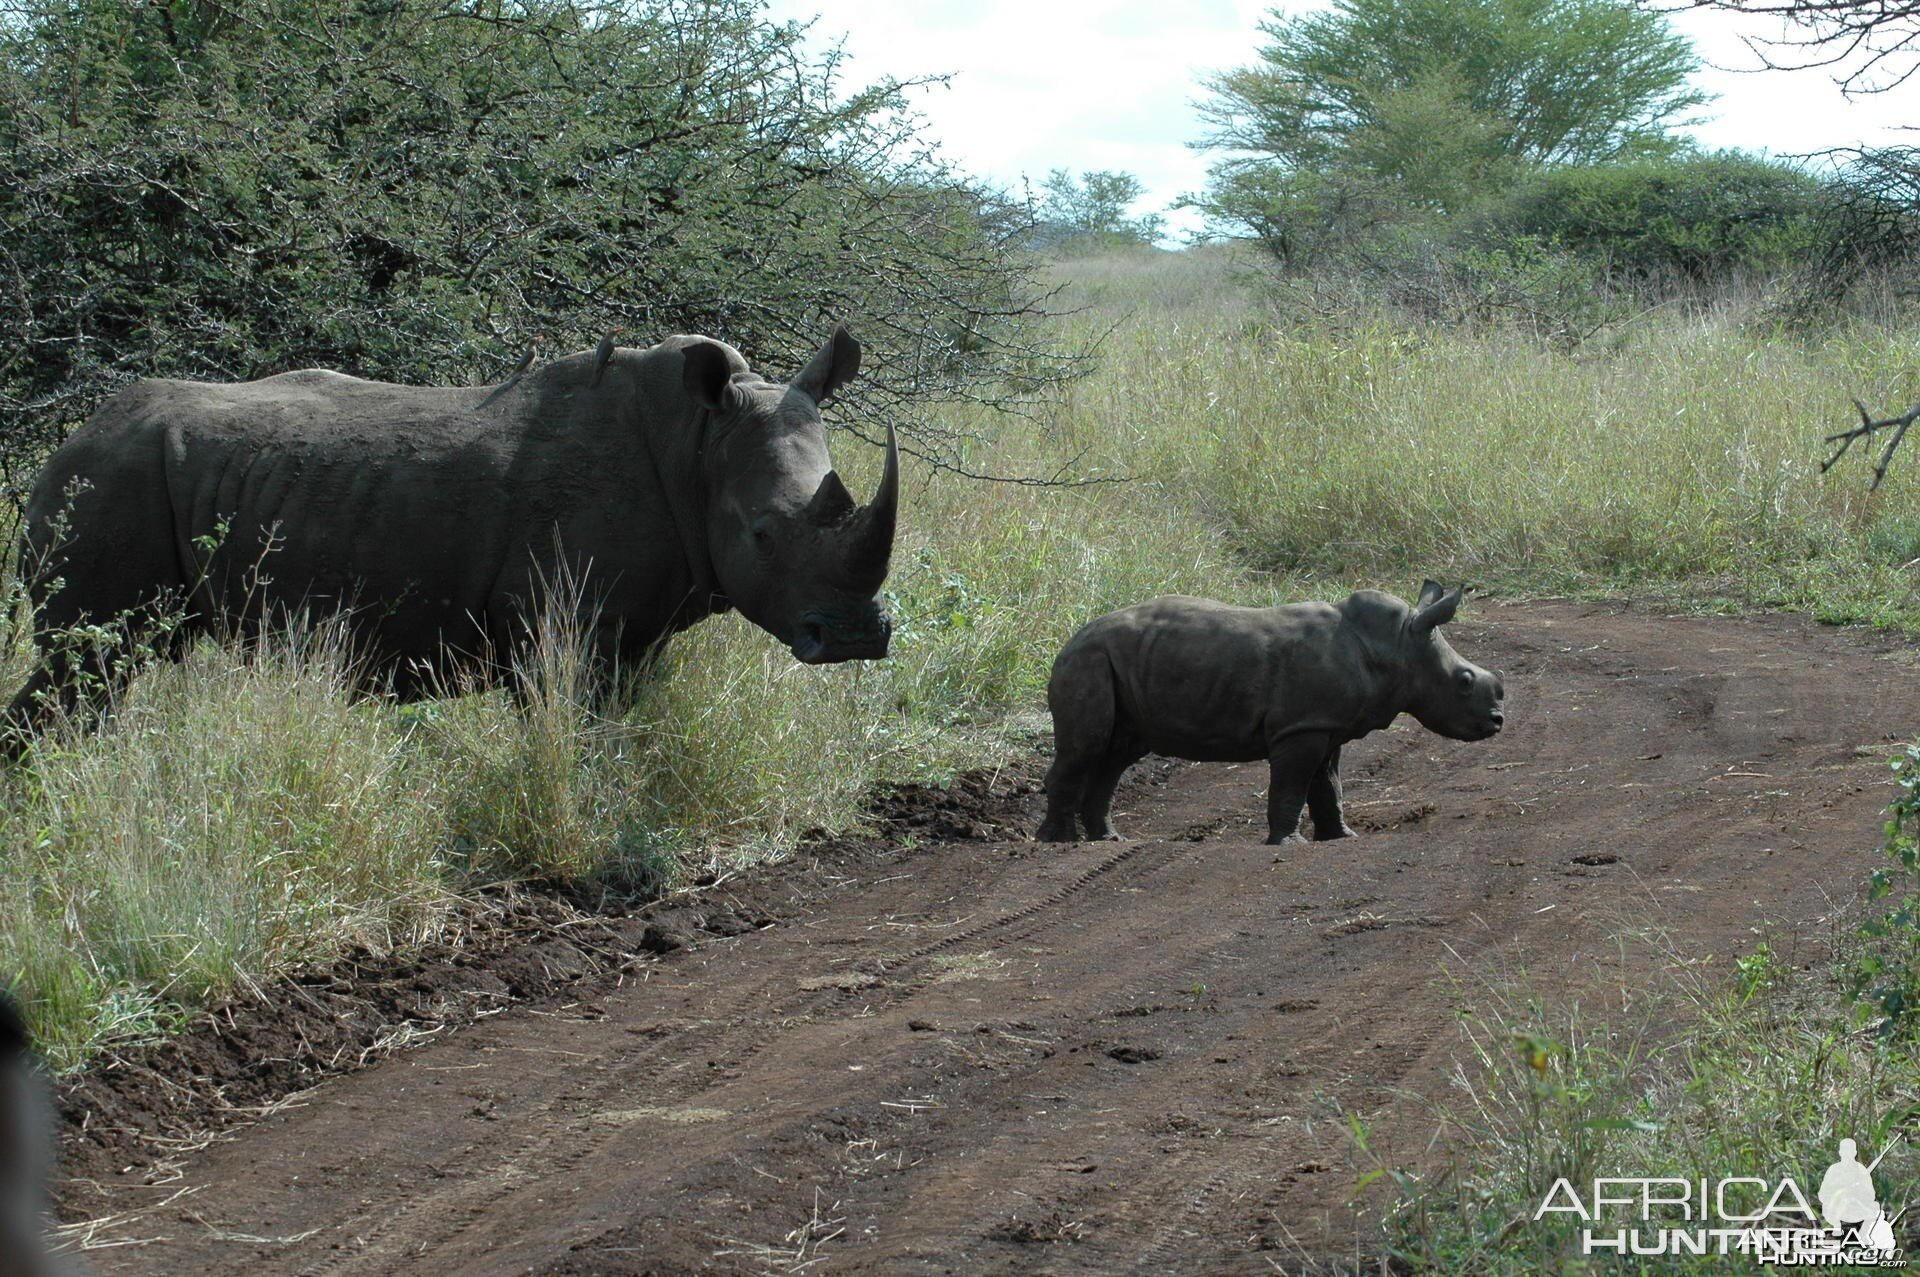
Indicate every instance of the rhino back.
{"type": "Point", "coordinates": [413, 502]}
{"type": "Point", "coordinates": [387, 493]}
{"type": "Point", "coordinates": [1214, 682]}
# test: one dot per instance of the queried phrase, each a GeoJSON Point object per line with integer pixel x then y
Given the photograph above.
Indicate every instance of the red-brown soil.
{"type": "Point", "coordinates": [959, 1051]}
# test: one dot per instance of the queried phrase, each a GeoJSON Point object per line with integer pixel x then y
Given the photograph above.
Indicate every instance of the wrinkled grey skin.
{"type": "Point", "coordinates": [25, 1133]}
{"type": "Point", "coordinates": [1203, 680]}
{"type": "Point", "coordinates": [671, 483]}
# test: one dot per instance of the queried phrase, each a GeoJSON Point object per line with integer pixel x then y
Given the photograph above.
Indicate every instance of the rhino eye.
{"type": "Point", "coordinates": [762, 538]}
{"type": "Point", "coordinates": [1464, 680]}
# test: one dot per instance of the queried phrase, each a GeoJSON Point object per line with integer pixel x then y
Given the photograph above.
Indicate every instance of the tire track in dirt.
{"type": "Point", "coordinates": [434, 1217]}
{"type": "Point", "coordinates": [1000, 1056]}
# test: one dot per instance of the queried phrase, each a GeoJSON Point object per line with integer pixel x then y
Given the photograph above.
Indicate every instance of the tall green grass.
{"type": "Point", "coordinates": [243, 814]}
{"type": "Point", "coordinates": [1679, 456]}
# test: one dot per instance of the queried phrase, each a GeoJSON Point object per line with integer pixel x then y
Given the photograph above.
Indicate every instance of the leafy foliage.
{"type": "Point", "coordinates": [1425, 106]}
{"type": "Point", "coordinates": [1689, 217]}
{"type": "Point", "coordinates": [420, 190]}
{"type": "Point", "coordinates": [1886, 972]}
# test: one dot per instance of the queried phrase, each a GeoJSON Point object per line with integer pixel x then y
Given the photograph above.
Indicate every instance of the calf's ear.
{"type": "Point", "coordinates": [1430, 590]}
{"type": "Point", "coordinates": [1437, 612]}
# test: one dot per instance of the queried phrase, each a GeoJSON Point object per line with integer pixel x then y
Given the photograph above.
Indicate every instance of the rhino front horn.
{"type": "Point", "coordinates": [872, 548]}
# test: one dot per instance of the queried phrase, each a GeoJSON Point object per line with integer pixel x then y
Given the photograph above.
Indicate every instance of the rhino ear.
{"type": "Point", "coordinates": [706, 373]}
{"type": "Point", "coordinates": [1430, 590]}
{"type": "Point", "coordinates": [832, 366]}
{"type": "Point", "coordinates": [1437, 612]}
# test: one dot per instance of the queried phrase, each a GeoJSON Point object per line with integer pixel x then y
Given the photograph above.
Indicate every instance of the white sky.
{"type": "Point", "coordinates": [1111, 84]}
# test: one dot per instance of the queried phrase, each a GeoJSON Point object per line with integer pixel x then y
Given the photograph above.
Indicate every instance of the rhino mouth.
{"type": "Point", "coordinates": [818, 642]}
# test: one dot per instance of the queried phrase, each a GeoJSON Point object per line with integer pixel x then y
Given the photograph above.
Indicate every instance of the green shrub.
{"type": "Point", "coordinates": [224, 191]}
{"type": "Point", "coordinates": [1693, 218]}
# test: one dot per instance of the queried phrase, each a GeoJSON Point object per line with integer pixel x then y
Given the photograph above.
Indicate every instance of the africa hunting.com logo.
{"type": "Point", "coordinates": [1771, 1221]}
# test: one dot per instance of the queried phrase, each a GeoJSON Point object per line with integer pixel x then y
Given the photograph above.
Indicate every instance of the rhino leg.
{"type": "Point", "coordinates": [1080, 696]}
{"type": "Point", "coordinates": [1066, 782]}
{"type": "Point", "coordinates": [30, 710]}
{"type": "Point", "coordinates": [99, 608]}
{"type": "Point", "coordinates": [1323, 800]}
{"type": "Point", "coordinates": [1295, 764]}
{"type": "Point", "coordinates": [1096, 807]}
{"type": "Point", "coordinates": [74, 679]}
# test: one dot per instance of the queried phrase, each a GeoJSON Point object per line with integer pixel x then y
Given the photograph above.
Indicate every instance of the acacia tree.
{"type": "Point", "coordinates": [1374, 108]}
{"type": "Point", "coordinates": [1091, 210]}
{"type": "Point", "coordinates": [422, 190]}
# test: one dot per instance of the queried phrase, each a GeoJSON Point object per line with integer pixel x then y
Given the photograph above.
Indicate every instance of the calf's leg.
{"type": "Point", "coordinates": [1066, 782]}
{"type": "Point", "coordinates": [1080, 697]}
{"type": "Point", "coordinates": [1294, 763]}
{"type": "Point", "coordinates": [1323, 800]}
{"type": "Point", "coordinates": [1096, 808]}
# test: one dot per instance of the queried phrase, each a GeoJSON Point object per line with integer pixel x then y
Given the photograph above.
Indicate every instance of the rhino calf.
{"type": "Point", "coordinates": [1215, 683]}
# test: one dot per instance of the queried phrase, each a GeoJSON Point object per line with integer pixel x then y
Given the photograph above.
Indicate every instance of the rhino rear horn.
{"type": "Point", "coordinates": [832, 366]}
{"type": "Point", "coordinates": [831, 502]}
{"type": "Point", "coordinates": [1438, 612]}
{"type": "Point", "coordinates": [872, 540]}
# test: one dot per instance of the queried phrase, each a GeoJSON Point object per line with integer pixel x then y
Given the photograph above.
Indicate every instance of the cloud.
{"type": "Point", "coordinates": [1040, 86]}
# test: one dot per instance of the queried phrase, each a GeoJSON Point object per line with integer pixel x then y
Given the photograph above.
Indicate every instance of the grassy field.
{"type": "Point", "coordinates": [244, 813]}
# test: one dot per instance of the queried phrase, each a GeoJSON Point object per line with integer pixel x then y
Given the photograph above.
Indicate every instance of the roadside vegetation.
{"type": "Point", "coordinates": [1597, 369]}
{"type": "Point", "coordinates": [1757, 1067]}
{"type": "Point", "coordinates": [1707, 1071]}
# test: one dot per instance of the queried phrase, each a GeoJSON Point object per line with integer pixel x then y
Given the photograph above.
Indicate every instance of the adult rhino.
{"type": "Point", "coordinates": [672, 481]}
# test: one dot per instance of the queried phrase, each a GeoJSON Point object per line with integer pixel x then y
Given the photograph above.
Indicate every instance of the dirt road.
{"type": "Point", "coordinates": [987, 1055]}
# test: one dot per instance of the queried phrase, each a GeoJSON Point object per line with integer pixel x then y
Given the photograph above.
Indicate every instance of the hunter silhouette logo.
{"type": "Point", "coordinates": [1849, 1204]}
{"type": "Point", "coordinates": [1771, 1220]}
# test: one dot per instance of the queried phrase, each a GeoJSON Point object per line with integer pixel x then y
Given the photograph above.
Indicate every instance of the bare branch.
{"type": "Point", "coordinates": [1872, 46]}
{"type": "Point", "coordinates": [1064, 475]}
{"type": "Point", "coordinates": [1867, 428]}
